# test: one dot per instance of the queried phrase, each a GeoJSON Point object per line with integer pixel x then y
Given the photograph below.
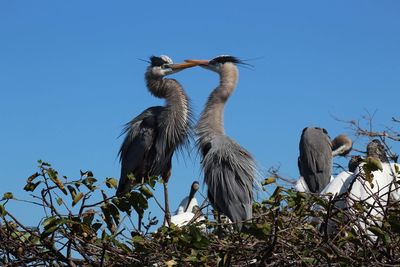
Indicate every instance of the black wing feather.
{"type": "Point", "coordinates": [137, 150]}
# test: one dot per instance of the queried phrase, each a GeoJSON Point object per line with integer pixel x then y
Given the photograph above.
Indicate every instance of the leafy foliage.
{"type": "Point", "coordinates": [287, 229]}
{"type": "Point", "coordinates": [83, 226]}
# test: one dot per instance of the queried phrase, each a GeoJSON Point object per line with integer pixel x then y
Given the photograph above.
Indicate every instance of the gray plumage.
{"type": "Point", "coordinates": [316, 153]}
{"type": "Point", "coordinates": [229, 170]}
{"type": "Point", "coordinates": [152, 137]}
{"type": "Point", "coordinates": [315, 160]}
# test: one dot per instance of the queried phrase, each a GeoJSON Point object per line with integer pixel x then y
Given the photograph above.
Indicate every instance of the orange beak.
{"type": "Point", "coordinates": [198, 62]}
{"type": "Point", "coordinates": [181, 66]}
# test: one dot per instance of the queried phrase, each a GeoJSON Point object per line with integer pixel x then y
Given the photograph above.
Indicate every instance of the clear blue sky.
{"type": "Point", "coordinates": [70, 78]}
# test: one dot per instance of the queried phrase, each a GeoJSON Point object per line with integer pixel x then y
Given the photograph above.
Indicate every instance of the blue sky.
{"type": "Point", "coordinates": [70, 78]}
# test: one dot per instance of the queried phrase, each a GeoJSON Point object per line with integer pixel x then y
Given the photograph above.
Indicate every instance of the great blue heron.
{"type": "Point", "coordinates": [152, 137]}
{"type": "Point", "coordinates": [229, 170]}
{"type": "Point", "coordinates": [316, 152]}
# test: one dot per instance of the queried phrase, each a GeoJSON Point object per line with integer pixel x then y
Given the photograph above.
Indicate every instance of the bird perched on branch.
{"type": "Point", "coordinates": [315, 160]}
{"type": "Point", "coordinates": [374, 182]}
{"type": "Point", "coordinates": [229, 169]}
{"type": "Point", "coordinates": [152, 137]}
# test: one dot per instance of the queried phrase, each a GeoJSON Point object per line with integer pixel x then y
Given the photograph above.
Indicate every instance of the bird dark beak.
{"type": "Point", "coordinates": [182, 66]}
{"type": "Point", "coordinates": [198, 62]}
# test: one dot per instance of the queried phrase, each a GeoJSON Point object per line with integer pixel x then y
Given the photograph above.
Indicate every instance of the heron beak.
{"type": "Point", "coordinates": [198, 62]}
{"type": "Point", "coordinates": [182, 66]}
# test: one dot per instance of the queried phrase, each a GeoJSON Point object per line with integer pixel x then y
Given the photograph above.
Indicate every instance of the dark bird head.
{"type": "Point", "coordinates": [354, 162]}
{"type": "Point", "coordinates": [163, 65]}
{"type": "Point", "coordinates": [377, 150]}
{"type": "Point", "coordinates": [195, 186]}
{"type": "Point", "coordinates": [193, 189]}
{"type": "Point", "coordinates": [216, 63]}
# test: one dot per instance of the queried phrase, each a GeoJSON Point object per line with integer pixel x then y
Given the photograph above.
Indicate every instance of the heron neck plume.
{"type": "Point", "coordinates": [177, 102]}
{"type": "Point", "coordinates": [212, 117]}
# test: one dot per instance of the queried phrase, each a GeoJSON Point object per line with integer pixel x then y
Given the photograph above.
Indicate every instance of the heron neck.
{"type": "Point", "coordinates": [177, 102]}
{"type": "Point", "coordinates": [340, 151]}
{"type": "Point", "coordinates": [212, 119]}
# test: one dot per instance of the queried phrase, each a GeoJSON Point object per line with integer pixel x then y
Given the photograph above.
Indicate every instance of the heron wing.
{"type": "Point", "coordinates": [315, 161]}
{"type": "Point", "coordinates": [136, 149]}
{"type": "Point", "coordinates": [229, 174]}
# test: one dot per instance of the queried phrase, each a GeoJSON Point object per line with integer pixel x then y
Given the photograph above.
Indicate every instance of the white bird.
{"type": "Point", "coordinates": [301, 185]}
{"type": "Point", "coordinates": [190, 201]}
{"type": "Point", "coordinates": [188, 208]}
{"type": "Point", "coordinates": [376, 194]}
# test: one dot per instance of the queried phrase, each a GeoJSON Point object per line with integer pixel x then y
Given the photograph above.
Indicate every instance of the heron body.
{"type": "Point", "coordinates": [152, 137]}
{"type": "Point", "coordinates": [316, 154]}
{"type": "Point", "coordinates": [315, 160]}
{"type": "Point", "coordinates": [229, 169]}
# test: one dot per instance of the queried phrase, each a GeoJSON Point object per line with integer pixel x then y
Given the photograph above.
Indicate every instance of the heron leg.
{"type": "Point", "coordinates": [167, 214]}
{"type": "Point", "coordinates": [140, 217]}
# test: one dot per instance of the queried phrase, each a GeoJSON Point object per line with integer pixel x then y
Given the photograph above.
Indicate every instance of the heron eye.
{"type": "Point", "coordinates": [165, 66]}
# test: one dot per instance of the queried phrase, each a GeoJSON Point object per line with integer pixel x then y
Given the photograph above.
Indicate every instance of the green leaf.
{"type": "Point", "coordinates": [137, 239]}
{"type": "Point", "coordinates": [111, 183]}
{"type": "Point", "coordinates": [89, 181]}
{"type": "Point", "coordinates": [59, 201]}
{"type": "Point", "coordinates": [77, 198]}
{"type": "Point", "coordinates": [30, 187]}
{"type": "Point", "coordinates": [72, 191]}
{"type": "Point", "coordinates": [105, 208]}
{"type": "Point", "coordinates": [3, 211]}
{"type": "Point", "coordinates": [8, 195]}
{"type": "Point", "coordinates": [53, 177]}
{"type": "Point", "coordinates": [377, 231]}
{"type": "Point", "coordinates": [48, 221]}
{"type": "Point", "coordinates": [373, 164]}
{"type": "Point", "coordinates": [397, 168]}
{"type": "Point", "coordinates": [146, 192]}
{"type": "Point", "coordinates": [49, 231]}
{"type": "Point", "coordinates": [114, 213]}
{"type": "Point", "coordinates": [32, 177]}
{"type": "Point", "coordinates": [268, 181]}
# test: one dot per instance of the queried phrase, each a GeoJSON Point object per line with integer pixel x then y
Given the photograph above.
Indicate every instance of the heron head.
{"type": "Point", "coordinates": [163, 65]}
{"type": "Point", "coordinates": [342, 145]}
{"type": "Point", "coordinates": [217, 63]}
